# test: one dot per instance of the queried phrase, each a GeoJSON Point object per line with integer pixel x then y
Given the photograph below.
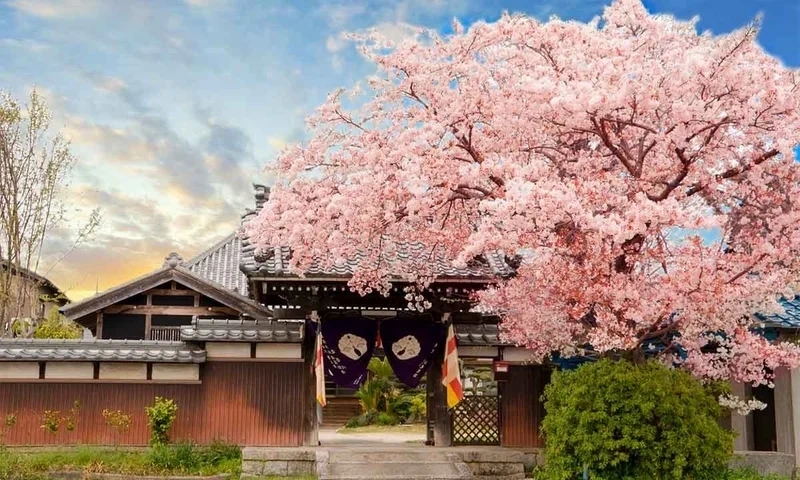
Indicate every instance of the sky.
{"type": "Point", "coordinates": [173, 107]}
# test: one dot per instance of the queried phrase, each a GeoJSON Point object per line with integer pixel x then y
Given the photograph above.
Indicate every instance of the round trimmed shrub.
{"type": "Point", "coordinates": [633, 422]}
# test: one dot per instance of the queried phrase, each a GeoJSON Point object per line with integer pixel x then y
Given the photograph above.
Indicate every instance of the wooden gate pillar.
{"type": "Point", "coordinates": [310, 417]}
{"type": "Point", "coordinates": [437, 401]}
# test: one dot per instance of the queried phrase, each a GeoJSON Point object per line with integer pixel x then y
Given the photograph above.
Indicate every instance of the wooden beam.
{"type": "Point", "coordinates": [148, 318]}
{"type": "Point", "coordinates": [99, 325]}
{"type": "Point", "coordinates": [171, 293]}
{"type": "Point", "coordinates": [170, 310]}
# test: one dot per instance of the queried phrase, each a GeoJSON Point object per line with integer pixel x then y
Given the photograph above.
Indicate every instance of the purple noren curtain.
{"type": "Point", "coordinates": [348, 342]}
{"type": "Point", "coordinates": [410, 344]}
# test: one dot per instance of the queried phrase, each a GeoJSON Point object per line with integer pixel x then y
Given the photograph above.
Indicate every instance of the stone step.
{"type": "Point", "coordinates": [391, 470]}
{"type": "Point", "coordinates": [389, 456]}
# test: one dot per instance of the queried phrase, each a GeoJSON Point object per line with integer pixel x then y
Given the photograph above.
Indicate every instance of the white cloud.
{"type": "Point", "coordinates": [341, 14]}
{"type": "Point", "coordinates": [55, 8]}
{"type": "Point", "coordinates": [335, 44]}
{"type": "Point", "coordinates": [110, 84]}
{"type": "Point", "coordinates": [24, 44]}
{"type": "Point", "coordinates": [199, 3]}
{"type": "Point", "coordinates": [397, 31]}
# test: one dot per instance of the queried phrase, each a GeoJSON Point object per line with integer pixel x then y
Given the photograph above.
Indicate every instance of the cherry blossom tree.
{"type": "Point", "coordinates": [645, 173]}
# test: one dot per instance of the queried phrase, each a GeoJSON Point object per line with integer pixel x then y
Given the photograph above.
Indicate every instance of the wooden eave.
{"type": "Point", "coordinates": [178, 274]}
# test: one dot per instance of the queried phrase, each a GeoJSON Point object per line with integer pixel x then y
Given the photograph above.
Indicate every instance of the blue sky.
{"type": "Point", "coordinates": [174, 106]}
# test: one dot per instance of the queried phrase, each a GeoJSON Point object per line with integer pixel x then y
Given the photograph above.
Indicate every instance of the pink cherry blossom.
{"type": "Point", "coordinates": [643, 170]}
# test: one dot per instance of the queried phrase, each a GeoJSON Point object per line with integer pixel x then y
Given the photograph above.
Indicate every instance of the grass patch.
{"type": "Point", "coordinates": [180, 459]}
{"type": "Point", "coordinates": [416, 428]}
{"type": "Point", "coordinates": [750, 474]}
{"type": "Point", "coordinates": [734, 474]}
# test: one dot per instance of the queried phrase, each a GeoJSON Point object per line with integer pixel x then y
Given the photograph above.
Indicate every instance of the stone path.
{"type": "Point", "coordinates": [328, 437]}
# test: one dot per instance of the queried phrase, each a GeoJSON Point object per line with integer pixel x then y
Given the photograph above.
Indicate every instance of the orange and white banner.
{"type": "Point", "coordinates": [451, 374]}
{"type": "Point", "coordinates": [319, 368]}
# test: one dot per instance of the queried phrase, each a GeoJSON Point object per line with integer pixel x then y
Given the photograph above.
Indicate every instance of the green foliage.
{"type": "Point", "coordinates": [72, 419]}
{"type": "Point", "coordinates": [380, 368]}
{"type": "Point", "coordinates": [386, 419]}
{"type": "Point", "coordinates": [380, 392]}
{"type": "Point", "coordinates": [418, 407]}
{"type": "Point", "coordinates": [56, 326]}
{"type": "Point", "coordinates": [750, 474]}
{"type": "Point", "coordinates": [180, 457]}
{"type": "Point", "coordinates": [160, 418]}
{"type": "Point", "coordinates": [633, 422]}
{"type": "Point", "coordinates": [51, 421]}
{"type": "Point", "coordinates": [161, 460]}
{"type": "Point", "coordinates": [8, 424]}
{"type": "Point", "coordinates": [117, 421]}
{"type": "Point", "coordinates": [383, 400]}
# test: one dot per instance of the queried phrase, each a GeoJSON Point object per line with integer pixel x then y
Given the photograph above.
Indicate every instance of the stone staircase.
{"type": "Point", "coordinates": [383, 462]}
{"type": "Point", "coordinates": [339, 410]}
{"type": "Point", "coordinates": [392, 464]}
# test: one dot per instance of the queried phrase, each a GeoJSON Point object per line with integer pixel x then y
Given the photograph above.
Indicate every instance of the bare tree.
{"type": "Point", "coordinates": [34, 167]}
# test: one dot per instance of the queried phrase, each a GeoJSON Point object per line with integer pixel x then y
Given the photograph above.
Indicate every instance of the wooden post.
{"type": "Point", "coordinates": [442, 426]}
{"type": "Point", "coordinates": [99, 325]}
{"type": "Point", "coordinates": [148, 321]}
{"type": "Point", "coordinates": [310, 420]}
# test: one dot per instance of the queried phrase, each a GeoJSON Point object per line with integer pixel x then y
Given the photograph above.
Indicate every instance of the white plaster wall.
{"type": "Point", "coordinates": [227, 350]}
{"type": "Point", "coordinates": [476, 351]}
{"type": "Point", "coordinates": [17, 370]}
{"type": "Point", "coordinates": [69, 370]}
{"type": "Point", "coordinates": [123, 371]}
{"type": "Point", "coordinates": [279, 350]}
{"type": "Point", "coordinates": [183, 372]}
{"type": "Point", "coordinates": [517, 354]}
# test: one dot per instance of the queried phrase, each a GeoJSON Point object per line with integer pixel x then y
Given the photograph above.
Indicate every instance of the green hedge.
{"type": "Point", "coordinates": [633, 422]}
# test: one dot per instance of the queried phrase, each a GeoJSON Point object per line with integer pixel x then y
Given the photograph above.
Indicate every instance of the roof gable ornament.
{"type": "Point", "coordinates": [173, 260]}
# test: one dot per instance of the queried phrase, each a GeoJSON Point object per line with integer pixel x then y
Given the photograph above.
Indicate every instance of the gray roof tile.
{"type": "Point", "coordinates": [100, 350]}
{"type": "Point", "coordinates": [275, 262]}
{"type": "Point", "coordinates": [240, 330]}
{"type": "Point", "coordinates": [478, 334]}
{"type": "Point", "coordinates": [220, 264]}
{"type": "Point", "coordinates": [790, 318]}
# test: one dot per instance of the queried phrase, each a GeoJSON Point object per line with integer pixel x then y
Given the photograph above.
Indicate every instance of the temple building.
{"type": "Point", "coordinates": [230, 336]}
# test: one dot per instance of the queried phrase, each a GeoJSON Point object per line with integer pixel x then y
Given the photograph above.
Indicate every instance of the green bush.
{"type": "Point", "coordinates": [160, 418]}
{"type": "Point", "coordinates": [160, 460]}
{"type": "Point", "coordinates": [386, 419]}
{"type": "Point", "coordinates": [56, 326]}
{"type": "Point", "coordinates": [175, 458]}
{"type": "Point", "coordinates": [633, 422]}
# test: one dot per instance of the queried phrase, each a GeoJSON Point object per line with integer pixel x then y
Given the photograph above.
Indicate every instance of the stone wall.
{"type": "Point", "coordinates": [279, 462]}
{"type": "Point", "coordinates": [765, 462]}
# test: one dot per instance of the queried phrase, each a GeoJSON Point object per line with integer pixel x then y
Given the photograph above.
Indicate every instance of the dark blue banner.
{"type": "Point", "coordinates": [410, 344]}
{"type": "Point", "coordinates": [348, 342]}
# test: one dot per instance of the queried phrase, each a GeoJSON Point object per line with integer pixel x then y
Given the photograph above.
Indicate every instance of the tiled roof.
{"type": "Point", "coordinates": [790, 318]}
{"type": "Point", "coordinates": [478, 334]}
{"type": "Point", "coordinates": [203, 330]}
{"type": "Point", "coordinates": [173, 269]}
{"type": "Point", "coordinates": [220, 264]}
{"type": "Point", "coordinates": [100, 350]}
{"type": "Point", "coordinates": [276, 261]}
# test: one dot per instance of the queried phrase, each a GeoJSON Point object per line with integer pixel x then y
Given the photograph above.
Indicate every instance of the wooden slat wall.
{"type": "Point", "coordinates": [522, 410]}
{"type": "Point", "coordinates": [242, 403]}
